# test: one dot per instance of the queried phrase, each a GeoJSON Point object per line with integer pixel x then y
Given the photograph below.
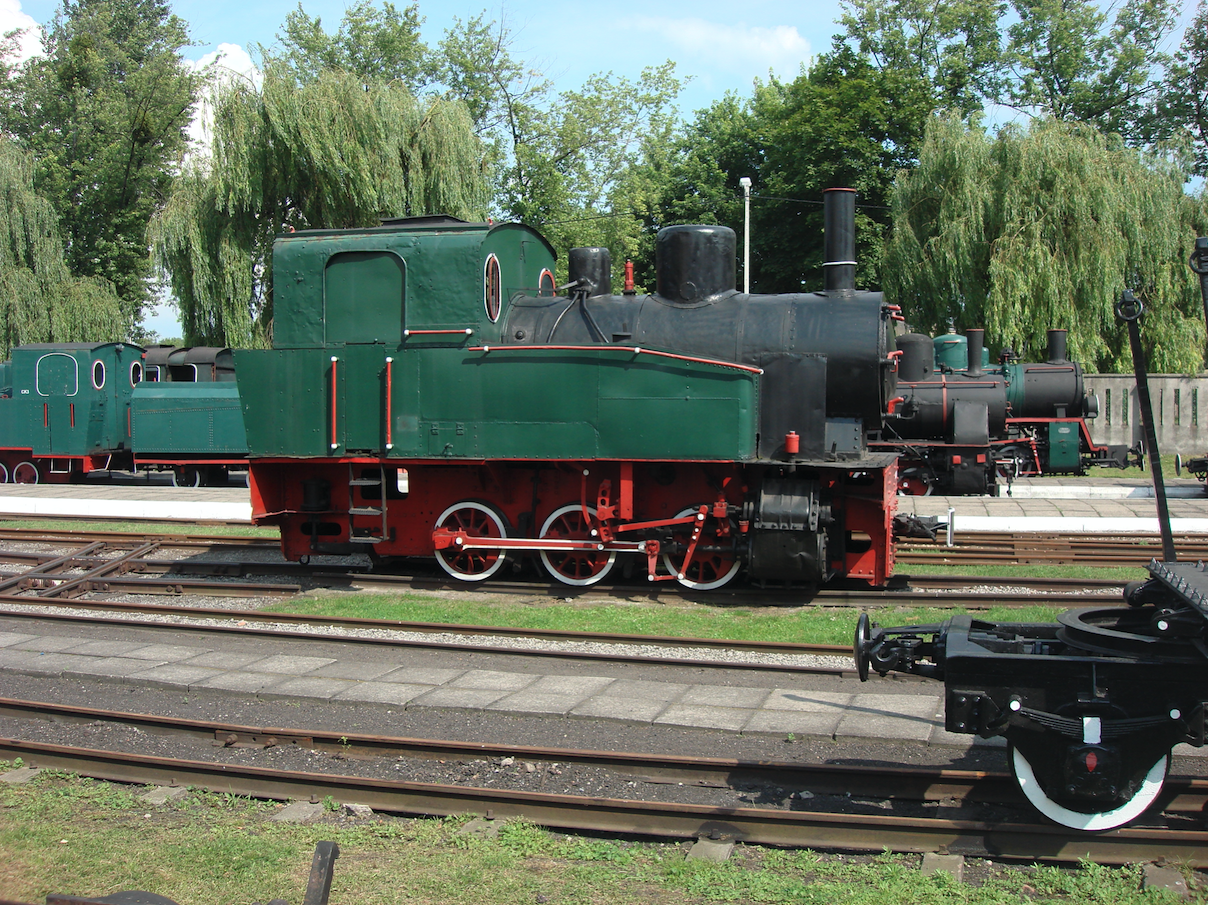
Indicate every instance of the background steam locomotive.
{"type": "Point", "coordinates": [444, 400]}
{"type": "Point", "coordinates": [962, 425]}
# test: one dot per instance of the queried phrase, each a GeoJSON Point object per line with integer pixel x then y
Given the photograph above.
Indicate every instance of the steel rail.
{"type": "Point", "coordinates": [1187, 795]}
{"type": "Point", "coordinates": [252, 616]}
{"type": "Point", "coordinates": [801, 829]}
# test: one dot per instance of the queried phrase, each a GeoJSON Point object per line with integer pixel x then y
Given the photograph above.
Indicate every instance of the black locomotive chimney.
{"type": "Point", "coordinates": [976, 339]}
{"type": "Point", "coordinates": [918, 357]}
{"type": "Point", "coordinates": [839, 216]}
{"type": "Point", "coordinates": [593, 268]}
{"type": "Point", "coordinates": [1057, 347]}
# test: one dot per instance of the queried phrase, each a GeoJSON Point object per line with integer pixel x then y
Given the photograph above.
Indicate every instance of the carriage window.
{"type": "Point", "coordinates": [546, 287]}
{"type": "Point", "coordinates": [151, 375]}
{"type": "Point", "coordinates": [136, 373]}
{"type": "Point", "coordinates": [98, 374]}
{"type": "Point", "coordinates": [493, 288]}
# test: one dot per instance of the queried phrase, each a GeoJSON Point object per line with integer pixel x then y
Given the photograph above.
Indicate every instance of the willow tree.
{"type": "Point", "coordinates": [40, 301]}
{"type": "Point", "coordinates": [1044, 227]}
{"type": "Point", "coordinates": [333, 152]}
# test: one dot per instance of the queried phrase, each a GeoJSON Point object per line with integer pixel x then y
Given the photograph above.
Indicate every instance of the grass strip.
{"type": "Point", "coordinates": [63, 834]}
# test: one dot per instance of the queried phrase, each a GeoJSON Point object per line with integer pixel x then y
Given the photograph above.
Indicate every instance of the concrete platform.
{"type": "Point", "coordinates": [144, 499]}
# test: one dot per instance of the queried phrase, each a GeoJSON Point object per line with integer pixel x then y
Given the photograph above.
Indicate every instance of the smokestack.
{"type": "Point", "coordinates": [839, 216]}
{"type": "Point", "coordinates": [977, 339]}
{"type": "Point", "coordinates": [1057, 347]}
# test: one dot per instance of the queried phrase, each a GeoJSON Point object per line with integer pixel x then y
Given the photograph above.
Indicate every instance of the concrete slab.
{"type": "Point", "coordinates": [362, 672]}
{"type": "Point", "coordinates": [612, 707]}
{"type": "Point", "coordinates": [529, 701]}
{"type": "Point", "coordinates": [641, 689]}
{"type": "Point", "coordinates": [111, 666]}
{"type": "Point", "coordinates": [54, 664]}
{"type": "Point", "coordinates": [164, 794]}
{"type": "Point", "coordinates": [298, 812]}
{"type": "Point", "coordinates": [571, 686]}
{"type": "Point", "coordinates": [105, 648]}
{"type": "Point", "coordinates": [493, 680]}
{"type": "Point", "coordinates": [412, 675]}
{"type": "Point", "coordinates": [732, 718]}
{"type": "Point", "coordinates": [457, 698]}
{"type": "Point", "coordinates": [891, 716]}
{"type": "Point", "coordinates": [240, 681]}
{"type": "Point", "coordinates": [942, 737]}
{"type": "Point", "coordinates": [20, 775]}
{"type": "Point", "coordinates": [710, 850]}
{"type": "Point", "coordinates": [1167, 878]}
{"type": "Point", "coordinates": [807, 701]}
{"type": "Point", "coordinates": [309, 687]}
{"type": "Point", "coordinates": [723, 696]}
{"type": "Point", "coordinates": [176, 674]}
{"type": "Point", "coordinates": [217, 659]}
{"type": "Point", "coordinates": [7, 638]}
{"type": "Point", "coordinates": [16, 659]}
{"type": "Point", "coordinates": [289, 665]}
{"type": "Point", "coordinates": [783, 722]}
{"type": "Point", "coordinates": [953, 865]}
{"type": "Point", "coordinates": [50, 643]}
{"type": "Point", "coordinates": [166, 652]}
{"type": "Point", "coordinates": [382, 692]}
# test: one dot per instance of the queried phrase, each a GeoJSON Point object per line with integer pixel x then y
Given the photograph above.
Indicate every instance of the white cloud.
{"type": "Point", "coordinates": [228, 63]}
{"type": "Point", "coordinates": [733, 47]}
{"type": "Point", "coordinates": [11, 17]}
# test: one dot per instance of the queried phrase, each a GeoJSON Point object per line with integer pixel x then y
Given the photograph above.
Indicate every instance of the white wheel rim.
{"type": "Point", "coordinates": [3, 474]}
{"type": "Point", "coordinates": [181, 478]}
{"type": "Point", "coordinates": [32, 469]}
{"type": "Point", "coordinates": [673, 567]}
{"type": "Point", "coordinates": [553, 570]}
{"type": "Point", "coordinates": [1102, 820]}
{"type": "Point", "coordinates": [499, 526]}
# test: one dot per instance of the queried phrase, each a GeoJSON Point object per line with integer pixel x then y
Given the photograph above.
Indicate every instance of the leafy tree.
{"type": "Point", "coordinates": [375, 44]}
{"type": "Point", "coordinates": [40, 301]}
{"type": "Point", "coordinates": [105, 113]}
{"type": "Point", "coordinates": [949, 46]}
{"type": "Point", "coordinates": [1044, 228]}
{"type": "Point", "coordinates": [1183, 113]}
{"type": "Point", "coordinates": [1066, 59]}
{"type": "Point", "coordinates": [333, 152]}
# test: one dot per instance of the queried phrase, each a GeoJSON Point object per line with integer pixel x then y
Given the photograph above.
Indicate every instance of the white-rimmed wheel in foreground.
{"type": "Point", "coordinates": [1139, 797]}
{"type": "Point", "coordinates": [185, 476]}
{"type": "Point", "coordinates": [26, 473]}
{"type": "Point", "coordinates": [3, 473]}
{"type": "Point", "coordinates": [714, 561]}
{"type": "Point", "coordinates": [476, 520]}
{"type": "Point", "coordinates": [574, 567]}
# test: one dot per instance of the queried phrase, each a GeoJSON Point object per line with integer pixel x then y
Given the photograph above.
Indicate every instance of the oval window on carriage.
{"type": "Point", "coordinates": [493, 288]}
{"type": "Point", "coordinates": [98, 374]}
{"type": "Point", "coordinates": [546, 287]}
{"type": "Point", "coordinates": [136, 373]}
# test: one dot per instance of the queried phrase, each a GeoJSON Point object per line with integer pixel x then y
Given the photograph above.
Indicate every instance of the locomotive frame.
{"type": "Point", "coordinates": [445, 400]}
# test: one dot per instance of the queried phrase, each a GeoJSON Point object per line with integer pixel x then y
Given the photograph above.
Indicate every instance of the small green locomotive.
{"type": "Point", "coordinates": [431, 392]}
{"type": "Point", "coordinates": [67, 409]}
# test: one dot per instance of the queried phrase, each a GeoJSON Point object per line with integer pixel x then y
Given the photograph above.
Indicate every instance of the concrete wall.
{"type": "Point", "coordinates": [1180, 410]}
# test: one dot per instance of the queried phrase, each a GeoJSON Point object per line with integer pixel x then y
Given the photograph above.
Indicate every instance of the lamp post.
{"type": "Point", "coordinates": [745, 182]}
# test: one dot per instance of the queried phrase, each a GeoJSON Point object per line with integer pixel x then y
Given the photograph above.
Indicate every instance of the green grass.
{"type": "Point", "coordinates": [805, 625]}
{"type": "Point", "coordinates": [63, 834]}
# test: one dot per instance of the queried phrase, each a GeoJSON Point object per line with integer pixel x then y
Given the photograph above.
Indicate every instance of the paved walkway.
{"type": "Point", "coordinates": [268, 668]}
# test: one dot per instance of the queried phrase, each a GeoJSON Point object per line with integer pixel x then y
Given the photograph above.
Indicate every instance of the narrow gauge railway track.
{"type": "Point", "coordinates": [1182, 795]}
{"type": "Point", "coordinates": [478, 638]}
{"type": "Point", "coordinates": [985, 547]}
{"type": "Point", "coordinates": [109, 566]}
{"type": "Point", "coordinates": [797, 828]}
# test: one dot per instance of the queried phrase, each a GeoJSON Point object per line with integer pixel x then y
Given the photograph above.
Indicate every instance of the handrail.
{"type": "Point", "coordinates": [636, 350]}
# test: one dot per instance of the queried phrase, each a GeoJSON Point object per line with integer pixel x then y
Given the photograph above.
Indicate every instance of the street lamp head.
{"type": "Point", "coordinates": [745, 182]}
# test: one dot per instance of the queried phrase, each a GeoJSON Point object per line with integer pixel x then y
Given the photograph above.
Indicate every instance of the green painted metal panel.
{"type": "Point", "coordinates": [363, 297]}
{"type": "Point", "coordinates": [194, 418]}
{"type": "Point", "coordinates": [286, 400]}
{"type": "Point", "coordinates": [1064, 445]}
{"type": "Point", "coordinates": [363, 390]}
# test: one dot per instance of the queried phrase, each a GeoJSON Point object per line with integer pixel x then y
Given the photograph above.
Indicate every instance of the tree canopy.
{"type": "Point", "coordinates": [40, 301]}
{"type": "Point", "coordinates": [105, 113]}
{"type": "Point", "coordinates": [333, 152]}
{"type": "Point", "coordinates": [1044, 227]}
